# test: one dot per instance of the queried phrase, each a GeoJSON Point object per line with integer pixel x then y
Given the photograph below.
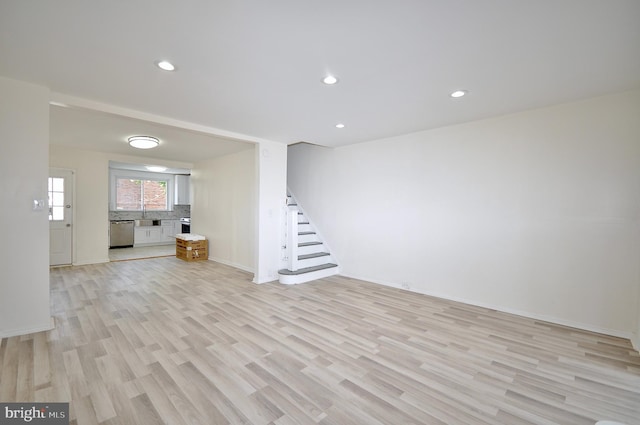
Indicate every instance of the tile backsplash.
{"type": "Point", "coordinates": [178, 212]}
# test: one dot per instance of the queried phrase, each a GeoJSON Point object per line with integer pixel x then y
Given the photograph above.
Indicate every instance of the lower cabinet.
{"type": "Point", "coordinates": [156, 235]}
{"type": "Point", "coordinates": [169, 230]}
{"type": "Point", "coordinates": [147, 235]}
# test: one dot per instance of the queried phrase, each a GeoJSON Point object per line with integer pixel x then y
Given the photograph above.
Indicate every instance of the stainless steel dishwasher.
{"type": "Point", "coordinates": [121, 234]}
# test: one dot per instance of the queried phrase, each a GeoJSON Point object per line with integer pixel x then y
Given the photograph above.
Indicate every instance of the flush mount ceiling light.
{"type": "Point", "coordinates": [166, 66]}
{"type": "Point", "coordinates": [156, 168]}
{"type": "Point", "coordinates": [458, 93]}
{"type": "Point", "coordinates": [340, 125]}
{"type": "Point", "coordinates": [143, 142]}
{"type": "Point", "coordinates": [330, 80]}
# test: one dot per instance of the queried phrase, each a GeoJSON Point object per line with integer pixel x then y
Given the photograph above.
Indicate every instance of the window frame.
{"type": "Point", "coordinates": [116, 174]}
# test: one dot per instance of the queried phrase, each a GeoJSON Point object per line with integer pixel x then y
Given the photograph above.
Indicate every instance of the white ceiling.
{"type": "Point", "coordinates": [254, 67]}
{"type": "Point", "coordinates": [104, 132]}
{"type": "Point", "coordinates": [143, 167]}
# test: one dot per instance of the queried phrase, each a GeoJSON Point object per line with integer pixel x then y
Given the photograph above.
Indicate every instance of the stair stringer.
{"type": "Point", "coordinates": [318, 232]}
{"type": "Point", "coordinates": [288, 277]}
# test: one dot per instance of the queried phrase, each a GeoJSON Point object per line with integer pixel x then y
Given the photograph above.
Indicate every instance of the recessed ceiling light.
{"type": "Point", "coordinates": [330, 80]}
{"type": "Point", "coordinates": [458, 93]}
{"type": "Point", "coordinates": [340, 125]}
{"type": "Point", "coordinates": [166, 65]}
{"type": "Point", "coordinates": [143, 142]}
{"type": "Point", "coordinates": [156, 168]}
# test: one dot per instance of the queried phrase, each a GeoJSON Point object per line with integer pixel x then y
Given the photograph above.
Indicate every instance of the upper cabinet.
{"type": "Point", "coordinates": [182, 190]}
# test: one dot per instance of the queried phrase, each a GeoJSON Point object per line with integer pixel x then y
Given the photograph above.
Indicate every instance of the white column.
{"type": "Point", "coordinates": [271, 160]}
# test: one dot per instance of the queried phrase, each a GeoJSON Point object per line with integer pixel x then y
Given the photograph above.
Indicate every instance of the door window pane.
{"type": "Point", "coordinates": [56, 198]}
{"type": "Point", "coordinates": [58, 184]}
{"type": "Point", "coordinates": [56, 214]}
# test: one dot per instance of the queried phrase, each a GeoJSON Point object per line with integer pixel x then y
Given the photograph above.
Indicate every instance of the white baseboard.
{"type": "Point", "coordinates": [531, 315]}
{"type": "Point", "coordinates": [88, 262]}
{"type": "Point", "coordinates": [30, 330]}
{"type": "Point", "coordinates": [258, 281]}
{"type": "Point", "coordinates": [229, 263]}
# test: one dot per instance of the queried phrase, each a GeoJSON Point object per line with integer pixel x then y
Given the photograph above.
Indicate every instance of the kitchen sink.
{"type": "Point", "coordinates": [148, 222]}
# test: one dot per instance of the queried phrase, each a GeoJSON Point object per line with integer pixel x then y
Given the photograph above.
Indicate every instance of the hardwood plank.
{"type": "Point", "coordinates": [201, 401]}
{"type": "Point", "coordinates": [25, 381]}
{"type": "Point", "coordinates": [41, 364]}
{"type": "Point", "coordinates": [10, 364]}
{"type": "Point", "coordinates": [222, 403]}
{"type": "Point", "coordinates": [165, 341]}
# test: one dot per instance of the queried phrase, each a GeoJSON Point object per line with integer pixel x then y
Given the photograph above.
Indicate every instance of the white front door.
{"type": "Point", "coordinates": [60, 216]}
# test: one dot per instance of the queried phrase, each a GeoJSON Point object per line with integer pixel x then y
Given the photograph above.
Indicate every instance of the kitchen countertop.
{"type": "Point", "coordinates": [178, 212]}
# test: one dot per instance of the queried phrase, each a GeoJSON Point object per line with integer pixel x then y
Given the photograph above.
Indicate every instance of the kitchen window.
{"type": "Point", "coordinates": [138, 195]}
{"type": "Point", "coordinates": [141, 191]}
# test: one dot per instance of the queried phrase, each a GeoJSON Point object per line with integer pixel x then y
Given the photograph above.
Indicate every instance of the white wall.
{"type": "Point", "coordinates": [91, 198]}
{"type": "Point", "coordinates": [271, 160]}
{"type": "Point", "coordinates": [532, 213]}
{"type": "Point", "coordinates": [24, 252]}
{"type": "Point", "coordinates": [224, 207]}
{"type": "Point", "coordinates": [635, 338]}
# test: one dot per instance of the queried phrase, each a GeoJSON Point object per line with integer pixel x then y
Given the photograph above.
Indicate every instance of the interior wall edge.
{"type": "Point", "coordinates": [635, 341]}
{"type": "Point", "coordinates": [92, 105]}
{"type": "Point", "coordinates": [8, 333]}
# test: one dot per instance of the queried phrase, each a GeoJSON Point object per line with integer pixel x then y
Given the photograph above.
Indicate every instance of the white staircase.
{"type": "Point", "coordinates": [306, 255]}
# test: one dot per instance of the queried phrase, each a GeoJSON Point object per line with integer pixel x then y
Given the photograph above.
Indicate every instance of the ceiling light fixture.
{"type": "Point", "coordinates": [458, 93]}
{"type": "Point", "coordinates": [143, 142]}
{"type": "Point", "coordinates": [156, 168]}
{"type": "Point", "coordinates": [166, 66]}
{"type": "Point", "coordinates": [330, 80]}
{"type": "Point", "coordinates": [340, 125]}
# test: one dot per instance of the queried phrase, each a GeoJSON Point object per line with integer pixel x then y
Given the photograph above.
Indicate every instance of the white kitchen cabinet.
{"type": "Point", "coordinates": [156, 235]}
{"type": "Point", "coordinates": [169, 230]}
{"type": "Point", "coordinates": [147, 235]}
{"type": "Point", "coordinates": [182, 186]}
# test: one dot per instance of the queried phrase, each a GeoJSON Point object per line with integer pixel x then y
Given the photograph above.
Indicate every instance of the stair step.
{"type": "Point", "coordinates": [309, 243]}
{"type": "Point", "coordinates": [306, 269]}
{"type": "Point", "coordinates": [314, 255]}
{"type": "Point", "coordinates": [303, 222]}
{"type": "Point", "coordinates": [310, 247]}
{"type": "Point", "coordinates": [304, 227]}
{"type": "Point", "coordinates": [306, 233]}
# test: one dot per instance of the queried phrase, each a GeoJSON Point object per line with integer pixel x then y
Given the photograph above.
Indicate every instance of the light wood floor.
{"type": "Point", "coordinates": [165, 341]}
{"type": "Point", "coordinates": [138, 252]}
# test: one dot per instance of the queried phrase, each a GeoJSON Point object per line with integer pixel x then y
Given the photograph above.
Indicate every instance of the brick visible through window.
{"type": "Point", "coordinates": [137, 194]}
